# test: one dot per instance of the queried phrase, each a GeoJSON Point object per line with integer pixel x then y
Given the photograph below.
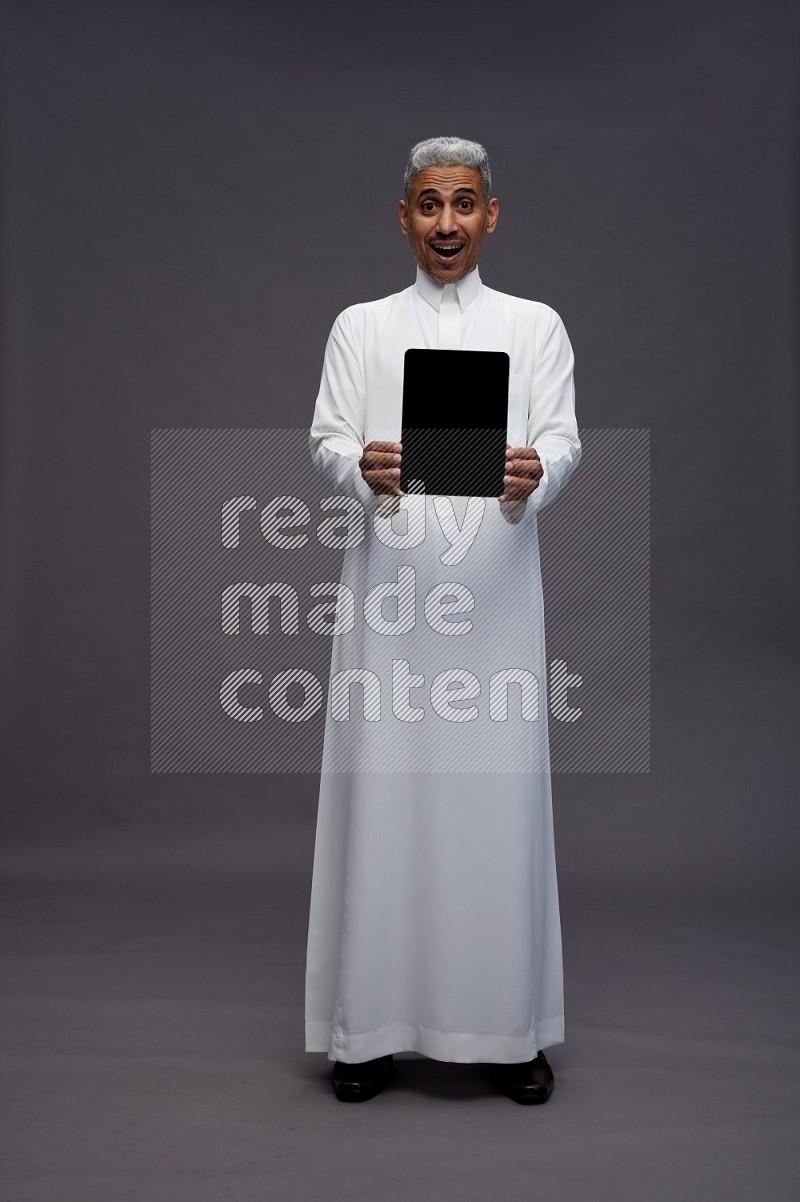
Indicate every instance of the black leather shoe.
{"type": "Point", "coordinates": [359, 1082]}
{"type": "Point", "coordinates": [531, 1081]}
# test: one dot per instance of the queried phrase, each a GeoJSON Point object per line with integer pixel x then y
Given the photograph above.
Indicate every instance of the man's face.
{"type": "Point", "coordinates": [446, 220]}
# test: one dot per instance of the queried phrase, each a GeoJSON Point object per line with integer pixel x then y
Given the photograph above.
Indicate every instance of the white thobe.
{"type": "Point", "coordinates": [434, 921]}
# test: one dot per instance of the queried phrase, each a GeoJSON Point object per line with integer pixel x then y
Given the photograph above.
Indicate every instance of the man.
{"type": "Point", "coordinates": [434, 922]}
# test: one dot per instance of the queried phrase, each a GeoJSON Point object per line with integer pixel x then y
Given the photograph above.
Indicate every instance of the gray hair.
{"type": "Point", "coordinates": [450, 152]}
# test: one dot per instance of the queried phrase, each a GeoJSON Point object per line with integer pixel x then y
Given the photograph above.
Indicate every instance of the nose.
{"type": "Point", "coordinates": [447, 224]}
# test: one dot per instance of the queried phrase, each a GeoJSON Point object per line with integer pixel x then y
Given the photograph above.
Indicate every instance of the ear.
{"type": "Point", "coordinates": [403, 214]}
{"type": "Point", "coordinates": [492, 210]}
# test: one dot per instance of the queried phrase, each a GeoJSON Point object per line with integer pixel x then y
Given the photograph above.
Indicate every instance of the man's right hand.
{"type": "Point", "coordinates": [380, 467]}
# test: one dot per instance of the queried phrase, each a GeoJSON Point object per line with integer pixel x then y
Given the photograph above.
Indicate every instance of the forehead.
{"type": "Point", "coordinates": [447, 179]}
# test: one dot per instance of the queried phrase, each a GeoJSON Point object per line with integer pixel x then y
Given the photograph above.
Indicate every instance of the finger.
{"type": "Point", "coordinates": [371, 460]}
{"type": "Point", "coordinates": [517, 480]}
{"type": "Point", "coordinates": [385, 481]}
{"type": "Point", "coordinates": [525, 453]}
{"type": "Point", "coordinates": [517, 487]}
{"type": "Point", "coordinates": [383, 446]}
{"type": "Point", "coordinates": [528, 468]}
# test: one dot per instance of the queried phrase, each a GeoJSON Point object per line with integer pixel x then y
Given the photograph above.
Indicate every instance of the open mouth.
{"type": "Point", "coordinates": [447, 250]}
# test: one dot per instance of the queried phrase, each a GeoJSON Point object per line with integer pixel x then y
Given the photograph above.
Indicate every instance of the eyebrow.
{"type": "Point", "coordinates": [436, 192]}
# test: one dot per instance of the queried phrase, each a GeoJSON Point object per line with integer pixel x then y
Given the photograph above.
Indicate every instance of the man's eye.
{"type": "Point", "coordinates": [427, 206]}
{"type": "Point", "coordinates": [466, 204]}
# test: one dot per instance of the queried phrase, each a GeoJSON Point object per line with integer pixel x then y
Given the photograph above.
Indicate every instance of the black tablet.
{"type": "Point", "coordinates": [455, 419]}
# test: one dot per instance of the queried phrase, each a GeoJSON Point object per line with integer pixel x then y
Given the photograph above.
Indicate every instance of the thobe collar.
{"type": "Point", "coordinates": [465, 290]}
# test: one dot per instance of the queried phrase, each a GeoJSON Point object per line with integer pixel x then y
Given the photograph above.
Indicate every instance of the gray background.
{"type": "Point", "coordinates": [191, 193]}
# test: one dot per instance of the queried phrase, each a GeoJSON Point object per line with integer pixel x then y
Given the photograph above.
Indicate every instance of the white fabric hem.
{"type": "Point", "coordinates": [457, 1047]}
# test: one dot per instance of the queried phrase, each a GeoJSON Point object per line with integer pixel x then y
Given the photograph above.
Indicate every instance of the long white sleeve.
{"type": "Point", "coordinates": [336, 439]}
{"type": "Point", "coordinates": [552, 427]}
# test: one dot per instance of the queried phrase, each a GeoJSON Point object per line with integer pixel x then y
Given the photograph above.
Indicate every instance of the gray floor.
{"type": "Point", "coordinates": [152, 1005]}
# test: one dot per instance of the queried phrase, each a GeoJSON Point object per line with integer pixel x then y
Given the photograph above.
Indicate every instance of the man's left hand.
{"type": "Point", "coordinates": [523, 472]}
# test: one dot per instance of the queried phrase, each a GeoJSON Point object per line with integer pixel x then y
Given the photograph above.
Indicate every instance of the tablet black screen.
{"type": "Point", "coordinates": [455, 418]}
